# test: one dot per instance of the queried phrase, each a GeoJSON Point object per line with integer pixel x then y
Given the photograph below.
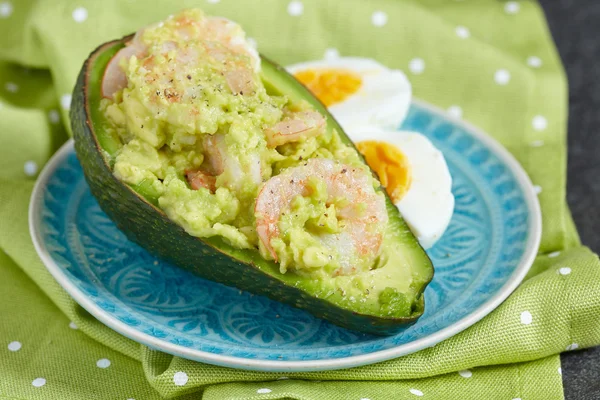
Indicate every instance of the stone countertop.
{"type": "Point", "coordinates": [575, 26]}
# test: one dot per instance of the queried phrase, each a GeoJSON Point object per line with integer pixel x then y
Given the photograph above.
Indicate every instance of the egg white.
{"type": "Point", "coordinates": [428, 205]}
{"type": "Point", "coordinates": [382, 100]}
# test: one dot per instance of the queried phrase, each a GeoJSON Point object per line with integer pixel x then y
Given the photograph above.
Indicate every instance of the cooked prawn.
{"type": "Point", "coordinates": [296, 126]}
{"type": "Point", "coordinates": [217, 29]}
{"type": "Point", "coordinates": [363, 212]}
{"type": "Point", "coordinates": [240, 81]}
{"type": "Point", "coordinates": [209, 30]}
{"type": "Point", "coordinates": [114, 78]}
{"type": "Point", "coordinates": [230, 34]}
{"type": "Point", "coordinates": [198, 179]}
{"type": "Point", "coordinates": [220, 161]}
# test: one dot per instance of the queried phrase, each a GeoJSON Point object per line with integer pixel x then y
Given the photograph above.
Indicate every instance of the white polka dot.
{"type": "Point", "coordinates": [572, 346]}
{"type": "Point", "coordinates": [80, 14]}
{"type": "Point", "coordinates": [38, 382]}
{"type": "Point", "coordinates": [502, 77]}
{"type": "Point", "coordinates": [65, 101]}
{"type": "Point", "coordinates": [212, 1]}
{"type": "Point", "coordinates": [537, 143]}
{"type": "Point", "coordinates": [526, 318]}
{"type": "Point", "coordinates": [6, 9]}
{"type": "Point", "coordinates": [564, 271]}
{"type": "Point", "coordinates": [295, 8]}
{"type": "Point", "coordinates": [264, 390]}
{"type": "Point", "coordinates": [11, 87]}
{"type": "Point", "coordinates": [365, 398]}
{"type": "Point", "coordinates": [554, 254]}
{"type": "Point", "coordinates": [282, 378]}
{"type": "Point", "coordinates": [54, 116]}
{"type": "Point", "coordinates": [331, 54]}
{"type": "Point", "coordinates": [512, 7]}
{"type": "Point", "coordinates": [416, 66]}
{"type": "Point", "coordinates": [462, 32]}
{"type": "Point", "coordinates": [103, 363]}
{"type": "Point", "coordinates": [539, 122]}
{"type": "Point", "coordinates": [416, 392]}
{"type": "Point", "coordinates": [14, 346]}
{"type": "Point", "coordinates": [379, 18]}
{"type": "Point", "coordinates": [465, 373]}
{"type": "Point", "coordinates": [560, 371]}
{"type": "Point", "coordinates": [517, 398]}
{"type": "Point", "coordinates": [30, 168]}
{"type": "Point", "coordinates": [537, 189]}
{"type": "Point", "coordinates": [455, 111]}
{"type": "Point", "coordinates": [534, 62]}
{"type": "Point", "coordinates": [252, 42]}
{"type": "Point", "coordinates": [180, 378]}
{"type": "Point", "coordinates": [72, 325]}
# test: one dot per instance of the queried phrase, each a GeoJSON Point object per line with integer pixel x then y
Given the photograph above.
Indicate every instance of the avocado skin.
{"type": "Point", "coordinates": [149, 227]}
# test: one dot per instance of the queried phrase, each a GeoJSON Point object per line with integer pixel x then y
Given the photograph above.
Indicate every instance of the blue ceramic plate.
{"type": "Point", "coordinates": [483, 256]}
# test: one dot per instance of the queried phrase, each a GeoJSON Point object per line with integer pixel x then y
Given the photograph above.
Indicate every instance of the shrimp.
{"type": "Point", "coordinates": [198, 179]}
{"type": "Point", "coordinates": [363, 213]}
{"type": "Point", "coordinates": [240, 81]}
{"type": "Point", "coordinates": [219, 161]}
{"type": "Point", "coordinates": [114, 78]}
{"type": "Point", "coordinates": [294, 127]}
{"type": "Point", "coordinates": [216, 157]}
{"type": "Point", "coordinates": [209, 30]}
{"type": "Point", "coordinates": [230, 34]}
{"type": "Point", "coordinates": [220, 30]}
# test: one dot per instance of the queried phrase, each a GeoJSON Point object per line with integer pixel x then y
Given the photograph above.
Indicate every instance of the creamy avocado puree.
{"type": "Point", "coordinates": [203, 140]}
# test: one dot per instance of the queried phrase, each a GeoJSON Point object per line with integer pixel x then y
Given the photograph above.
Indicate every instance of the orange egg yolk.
{"type": "Point", "coordinates": [390, 164]}
{"type": "Point", "coordinates": [331, 86]}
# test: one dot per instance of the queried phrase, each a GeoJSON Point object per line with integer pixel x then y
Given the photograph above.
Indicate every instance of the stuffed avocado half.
{"type": "Point", "coordinates": [217, 160]}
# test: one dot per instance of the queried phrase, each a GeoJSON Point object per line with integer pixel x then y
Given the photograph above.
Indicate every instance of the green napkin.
{"type": "Point", "coordinates": [491, 62]}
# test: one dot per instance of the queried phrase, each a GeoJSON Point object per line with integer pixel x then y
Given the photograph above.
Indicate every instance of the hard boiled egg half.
{"type": "Point", "coordinates": [370, 101]}
{"type": "Point", "coordinates": [357, 91]}
{"type": "Point", "coordinates": [415, 175]}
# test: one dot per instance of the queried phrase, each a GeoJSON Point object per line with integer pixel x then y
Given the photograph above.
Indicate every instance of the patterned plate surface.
{"type": "Point", "coordinates": [482, 257]}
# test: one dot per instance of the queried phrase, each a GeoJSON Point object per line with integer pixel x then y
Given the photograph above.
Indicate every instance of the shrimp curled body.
{"type": "Point", "coordinates": [210, 30]}
{"type": "Point", "coordinates": [363, 213]}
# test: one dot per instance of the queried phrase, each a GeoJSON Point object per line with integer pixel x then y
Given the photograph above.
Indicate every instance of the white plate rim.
{"type": "Point", "coordinates": [531, 248]}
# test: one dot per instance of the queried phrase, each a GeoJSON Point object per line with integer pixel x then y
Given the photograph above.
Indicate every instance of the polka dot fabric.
{"type": "Point", "coordinates": [461, 61]}
{"type": "Point", "coordinates": [42, 358]}
{"type": "Point", "coordinates": [6, 9]}
{"type": "Point", "coordinates": [80, 14]}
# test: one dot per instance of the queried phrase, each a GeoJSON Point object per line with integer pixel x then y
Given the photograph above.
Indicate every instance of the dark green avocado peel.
{"type": "Point", "coordinates": [134, 211]}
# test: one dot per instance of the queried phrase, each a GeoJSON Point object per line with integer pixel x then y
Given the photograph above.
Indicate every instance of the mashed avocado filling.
{"type": "Point", "coordinates": [179, 113]}
{"type": "Point", "coordinates": [308, 218]}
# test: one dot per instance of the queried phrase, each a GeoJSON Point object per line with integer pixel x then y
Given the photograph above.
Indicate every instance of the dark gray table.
{"type": "Point", "coordinates": [575, 25]}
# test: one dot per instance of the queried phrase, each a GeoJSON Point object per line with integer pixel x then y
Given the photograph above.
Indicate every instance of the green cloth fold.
{"type": "Point", "coordinates": [494, 61]}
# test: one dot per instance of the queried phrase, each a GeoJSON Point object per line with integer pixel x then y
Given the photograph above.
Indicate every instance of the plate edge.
{"type": "Point", "coordinates": [532, 245]}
